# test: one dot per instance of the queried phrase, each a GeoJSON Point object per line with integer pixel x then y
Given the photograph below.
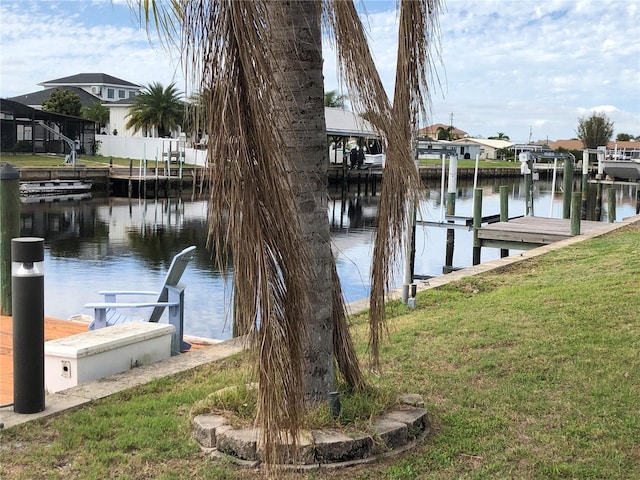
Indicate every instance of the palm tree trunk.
{"type": "Point", "coordinates": [297, 48]}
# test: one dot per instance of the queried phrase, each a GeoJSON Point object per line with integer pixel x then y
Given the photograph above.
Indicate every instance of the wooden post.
{"type": "Point", "coordinates": [477, 223]}
{"type": "Point", "coordinates": [575, 213]}
{"type": "Point", "coordinates": [452, 189]}
{"type": "Point", "coordinates": [585, 183]}
{"type": "Point", "coordinates": [9, 228]}
{"type": "Point", "coordinates": [567, 183]}
{"type": "Point", "coordinates": [451, 236]}
{"type": "Point", "coordinates": [130, 184]}
{"type": "Point", "coordinates": [638, 199]}
{"type": "Point", "coordinates": [611, 204]}
{"type": "Point", "coordinates": [528, 187]}
{"type": "Point", "coordinates": [598, 207]}
{"type": "Point", "coordinates": [504, 213]}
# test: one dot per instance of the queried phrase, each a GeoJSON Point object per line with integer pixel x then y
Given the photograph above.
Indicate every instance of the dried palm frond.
{"type": "Point", "coordinates": [343, 348]}
{"type": "Point", "coordinates": [227, 43]}
{"type": "Point", "coordinates": [400, 182]}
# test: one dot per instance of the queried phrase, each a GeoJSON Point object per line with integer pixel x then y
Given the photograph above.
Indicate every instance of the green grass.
{"type": "Point", "coordinates": [27, 160]}
{"type": "Point", "coordinates": [531, 372]}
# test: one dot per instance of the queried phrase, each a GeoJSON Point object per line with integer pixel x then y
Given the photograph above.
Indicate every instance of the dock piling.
{"type": "Point", "coordinates": [504, 214]}
{"type": "Point", "coordinates": [576, 200]}
{"type": "Point", "coordinates": [611, 204]}
{"type": "Point", "coordinates": [9, 228]}
{"type": "Point", "coordinates": [567, 184]}
{"type": "Point", "coordinates": [477, 223]}
{"type": "Point", "coordinates": [452, 188]}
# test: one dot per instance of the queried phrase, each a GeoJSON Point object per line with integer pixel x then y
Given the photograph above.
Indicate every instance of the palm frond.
{"type": "Point", "coordinates": [400, 183]}
{"type": "Point", "coordinates": [227, 43]}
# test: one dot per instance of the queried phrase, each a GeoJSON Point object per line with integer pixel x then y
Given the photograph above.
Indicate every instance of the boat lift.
{"type": "Point", "coordinates": [527, 161]}
{"type": "Point", "coordinates": [73, 155]}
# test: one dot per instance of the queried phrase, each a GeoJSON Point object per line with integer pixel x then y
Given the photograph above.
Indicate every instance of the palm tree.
{"type": "Point", "coordinates": [445, 133]}
{"type": "Point", "coordinates": [156, 107]}
{"type": "Point", "coordinates": [263, 62]}
{"type": "Point", "coordinates": [96, 112]}
{"type": "Point", "coordinates": [333, 99]}
{"type": "Point", "coordinates": [500, 136]}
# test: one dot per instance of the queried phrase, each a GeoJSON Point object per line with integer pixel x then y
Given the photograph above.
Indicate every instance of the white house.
{"type": "Point", "coordinates": [105, 87]}
{"type": "Point", "coordinates": [488, 149]}
{"type": "Point", "coordinates": [114, 93]}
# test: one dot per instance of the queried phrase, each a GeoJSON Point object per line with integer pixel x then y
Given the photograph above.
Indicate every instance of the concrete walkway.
{"type": "Point", "coordinates": [83, 394]}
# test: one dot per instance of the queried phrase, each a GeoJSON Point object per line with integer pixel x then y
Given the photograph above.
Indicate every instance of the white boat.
{"type": "Point", "coordinates": [622, 165]}
{"type": "Point", "coordinates": [54, 187]}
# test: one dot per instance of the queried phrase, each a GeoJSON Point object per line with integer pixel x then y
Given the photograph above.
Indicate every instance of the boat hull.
{"type": "Point", "coordinates": [622, 169]}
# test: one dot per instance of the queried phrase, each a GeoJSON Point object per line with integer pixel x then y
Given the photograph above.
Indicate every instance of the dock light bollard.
{"type": "Point", "coordinates": [27, 286]}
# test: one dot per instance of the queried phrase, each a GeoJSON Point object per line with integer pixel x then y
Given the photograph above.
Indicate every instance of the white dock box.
{"type": "Point", "coordinates": [99, 353]}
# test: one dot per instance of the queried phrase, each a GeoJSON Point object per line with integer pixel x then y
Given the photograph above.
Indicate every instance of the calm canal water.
{"type": "Point", "coordinates": [127, 244]}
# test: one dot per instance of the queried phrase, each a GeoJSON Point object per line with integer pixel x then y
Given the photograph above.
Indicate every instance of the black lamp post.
{"type": "Point", "coordinates": [27, 286]}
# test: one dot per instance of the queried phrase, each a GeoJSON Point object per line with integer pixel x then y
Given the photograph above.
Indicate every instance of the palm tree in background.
{"type": "Point", "coordinates": [333, 99]}
{"type": "Point", "coordinates": [445, 133]}
{"type": "Point", "coordinates": [96, 112]}
{"type": "Point", "coordinates": [263, 62]}
{"type": "Point", "coordinates": [156, 107]}
{"type": "Point", "coordinates": [500, 136]}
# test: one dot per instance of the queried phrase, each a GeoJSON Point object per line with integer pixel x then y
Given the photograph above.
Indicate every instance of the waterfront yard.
{"type": "Point", "coordinates": [25, 160]}
{"type": "Point", "coordinates": [529, 372]}
{"type": "Point", "coordinates": [49, 161]}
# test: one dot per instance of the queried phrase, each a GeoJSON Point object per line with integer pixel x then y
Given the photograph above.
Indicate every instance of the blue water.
{"type": "Point", "coordinates": [121, 244]}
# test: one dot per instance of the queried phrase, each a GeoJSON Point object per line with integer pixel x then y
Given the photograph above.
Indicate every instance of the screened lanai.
{"type": "Point", "coordinates": [22, 130]}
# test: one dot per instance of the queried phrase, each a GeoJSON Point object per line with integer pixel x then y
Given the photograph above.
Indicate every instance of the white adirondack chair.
{"type": "Point", "coordinates": [171, 295]}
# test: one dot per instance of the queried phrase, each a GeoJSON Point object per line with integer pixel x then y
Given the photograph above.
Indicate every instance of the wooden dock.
{"type": "Point", "coordinates": [525, 233]}
{"type": "Point", "coordinates": [53, 328]}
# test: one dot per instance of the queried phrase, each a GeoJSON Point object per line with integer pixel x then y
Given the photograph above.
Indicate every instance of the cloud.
{"type": "Point", "coordinates": [507, 66]}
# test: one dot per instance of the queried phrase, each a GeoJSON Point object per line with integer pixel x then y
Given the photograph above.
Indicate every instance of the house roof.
{"type": "Point", "coordinates": [36, 99]}
{"type": "Point", "coordinates": [89, 79]}
{"type": "Point", "coordinates": [578, 145]}
{"type": "Point", "coordinates": [497, 144]}
{"type": "Point", "coordinates": [20, 110]}
{"type": "Point", "coordinates": [432, 130]}
{"type": "Point", "coordinates": [345, 123]}
{"type": "Point", "coordinates": [123, 102]}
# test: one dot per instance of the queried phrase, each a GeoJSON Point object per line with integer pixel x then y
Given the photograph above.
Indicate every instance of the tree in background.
{"type": "Point", "coordinates": [500, 136]}
{"type": "Point", "coordinates": [63, 101]}
{"type": "Point", "coordinates": [96, 112]}
{"type": "Point", "coordinates": [624, 137]}
{"type": "Point", "coordinates": [445, 133]}
{"type": "Point", "coordinates": [333, 99]}
{"type": "Point", "coordinates": [595, 131]}
{"type": "Point", "coordinates": [156, 107]}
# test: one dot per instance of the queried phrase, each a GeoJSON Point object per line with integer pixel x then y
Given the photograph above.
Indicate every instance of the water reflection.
{"type": "Point", "coordinates": [115, 243]}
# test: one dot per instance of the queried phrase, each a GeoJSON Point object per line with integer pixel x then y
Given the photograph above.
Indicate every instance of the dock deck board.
{"type": "Point", "coordinates": [53, 328]}
{"type": "Point", "coordinates": [530, 232]}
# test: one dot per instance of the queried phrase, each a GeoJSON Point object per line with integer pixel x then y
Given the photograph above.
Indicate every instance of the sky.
{"type": "Point", "coordinates": [527, 69]}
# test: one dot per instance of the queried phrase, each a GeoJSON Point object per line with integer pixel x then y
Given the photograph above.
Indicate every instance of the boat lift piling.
{"type": "Point", "coordinates": [452, 189]}
{"type": "Point", "coordinates": [504, 214]}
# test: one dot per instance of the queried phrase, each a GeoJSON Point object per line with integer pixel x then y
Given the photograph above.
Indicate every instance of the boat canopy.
{"type": "Point", "coordinates": [343, 123]}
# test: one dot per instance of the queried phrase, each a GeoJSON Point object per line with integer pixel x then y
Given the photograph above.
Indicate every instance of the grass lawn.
{"type": "Point", "coordinates": [25, 160]}
{"type": "Point", "coordinates": [532, 372]}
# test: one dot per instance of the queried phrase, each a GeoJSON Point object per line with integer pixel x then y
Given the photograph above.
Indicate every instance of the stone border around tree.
{"type": "Point", "coordinates": [391, 434]}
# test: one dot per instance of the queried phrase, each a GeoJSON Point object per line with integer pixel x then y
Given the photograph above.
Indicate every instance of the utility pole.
{"type": "Point", "coordinates": [451, 117]}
